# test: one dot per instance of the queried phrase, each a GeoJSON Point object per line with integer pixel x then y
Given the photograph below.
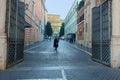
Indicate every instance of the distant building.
{"type": "Point", "coordinates": [35, 17]}
{"type": "Point", "coordinates": [40, 13]}
{"type": "Point", "coordinates": [71, 21]}
{"type": "Point", "coordinates": [56, 23]}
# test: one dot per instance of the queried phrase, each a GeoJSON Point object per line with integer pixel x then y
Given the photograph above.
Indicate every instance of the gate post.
{"type": "Point", "coordinates": [3, 42]}
{"type": "Point", "coordinates": [115, 36]}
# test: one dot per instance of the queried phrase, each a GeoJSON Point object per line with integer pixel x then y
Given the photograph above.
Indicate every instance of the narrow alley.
{"type": "Point", "coordinates": [41, 62]}
{"type": "Point", "coordinates": [88, 32]}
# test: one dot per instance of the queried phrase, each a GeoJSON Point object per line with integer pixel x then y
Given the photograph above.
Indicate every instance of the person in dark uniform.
{"type": "Point", "coordinates": [56, 43]}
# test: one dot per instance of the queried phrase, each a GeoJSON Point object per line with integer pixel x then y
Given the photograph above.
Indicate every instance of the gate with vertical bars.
{"type": "Point", "coordinates": [15, 31]}
{"type": "Point", "coordinates": [101, 32]}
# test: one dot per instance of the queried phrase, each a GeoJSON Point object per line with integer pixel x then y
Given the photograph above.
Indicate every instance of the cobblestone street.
{"type": "Point", "coordinates": [41, 62]}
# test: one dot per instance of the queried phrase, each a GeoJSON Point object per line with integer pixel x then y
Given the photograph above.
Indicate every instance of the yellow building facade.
{"type": "Point", "coordinates": [56, 23]}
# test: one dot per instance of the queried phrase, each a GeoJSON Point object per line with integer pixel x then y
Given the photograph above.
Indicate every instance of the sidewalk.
{"type": "Point", "coordinates": [31, 45]}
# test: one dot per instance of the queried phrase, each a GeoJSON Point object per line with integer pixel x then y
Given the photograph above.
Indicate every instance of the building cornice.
{"type": "Point", "coordinates": [53, 15]}
{"type": "Point", "coordinates": [43, 3]}
{"type": "Point", "coordinates": [73, 6]}
{"type": "Point", "coordinates": [87, 3]}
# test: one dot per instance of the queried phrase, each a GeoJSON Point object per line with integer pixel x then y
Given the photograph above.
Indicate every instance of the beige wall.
{"type": "Point", "coordinates": [89, 4]}
{"type": "Point", "coordinates": [40, 16]}
{"type": "Point", "coordinates": [32, 16]}
{"type": "Point", "coordinates": [87, 24]}
{"type": "Point", "coordinates": [38, 9]}
{"type": "Point", "coordinates": [80, 32]}
{"type": "Point", "coordinates": [115, 41]}
{"type": "Point", "coordinates": [55, 23]}
{"type": "Point", "coordinates": [80, 27]}
{"type": "Point", "coordinates": [3, 43]}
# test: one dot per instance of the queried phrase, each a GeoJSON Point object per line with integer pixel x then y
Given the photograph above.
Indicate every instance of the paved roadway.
{"type": "Point", "coordinates": [41, 62]}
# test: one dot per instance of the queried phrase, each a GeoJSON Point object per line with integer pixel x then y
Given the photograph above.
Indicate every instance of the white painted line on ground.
{"type": "Point", "coordinates": [32, 48]}
{"type": "Point", "coordinates": [21, 69]}
{"type": "Point", "coordinates": [47, 52]}
{"type": "Point", "coordinates": [63, 74]}
{"type": "Point", "coordinates": [39, 52]}
{"type": "Point", "coordinates": [54, 68]}
{"type": "Point", "coordinates": [84, 51]}
{"type": "Point", "coordinates": [41, 79]}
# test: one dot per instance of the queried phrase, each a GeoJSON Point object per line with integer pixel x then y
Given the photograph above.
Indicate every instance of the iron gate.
{"type": "Point", "coordinates": [101, 32]}
{"type": "Point", "coordinates": [15, 31]}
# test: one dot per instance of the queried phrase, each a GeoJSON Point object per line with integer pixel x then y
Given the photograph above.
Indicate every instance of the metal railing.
{"type": "Point", "coordinates": [15, 31]}
{"type": "Point", "coordinates": [101, 32]}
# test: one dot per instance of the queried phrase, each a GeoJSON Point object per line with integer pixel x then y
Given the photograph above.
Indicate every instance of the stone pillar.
{"type": "Point", "coordinates": [93, 4]}
{"type": "Point", "coordinates": [3, 44]}
{"type": "Point", "coordinates": [115, 37]}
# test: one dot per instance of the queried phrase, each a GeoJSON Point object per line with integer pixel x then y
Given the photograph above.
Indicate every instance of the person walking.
{"type": "Point", "coordinates": [56, 43]}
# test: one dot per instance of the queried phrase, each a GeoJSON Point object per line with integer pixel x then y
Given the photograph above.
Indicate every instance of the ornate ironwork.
{"type": "Point", "coordinates": [15, 31]}
{"type": "Point", "coordinates": [101, 32]}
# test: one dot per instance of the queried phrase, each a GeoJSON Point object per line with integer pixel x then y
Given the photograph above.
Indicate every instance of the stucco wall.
{"type": "Point", "coordinates": [115, 41]}
{"type": "Point", "coordinates": [33, 17]}
{"type": "Point", "coordinates": [3, 44]}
